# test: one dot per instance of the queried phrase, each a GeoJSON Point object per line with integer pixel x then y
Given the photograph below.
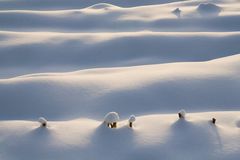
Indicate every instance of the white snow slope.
{"type": "Point", "coordinates": [73, 61]}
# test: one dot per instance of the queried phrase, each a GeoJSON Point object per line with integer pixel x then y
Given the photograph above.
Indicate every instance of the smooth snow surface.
{"type": "Point", "coordinates": [182, 112]}
{"type": "Point", "coordinates": [75, 61]}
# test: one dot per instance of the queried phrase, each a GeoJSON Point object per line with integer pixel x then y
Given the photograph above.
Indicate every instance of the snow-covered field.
{"type": "Point", "coordinates": [73, 61]}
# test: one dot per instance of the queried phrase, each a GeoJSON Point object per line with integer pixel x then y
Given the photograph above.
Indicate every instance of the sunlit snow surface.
{"type": "Point", "coordinates": [72, 62]}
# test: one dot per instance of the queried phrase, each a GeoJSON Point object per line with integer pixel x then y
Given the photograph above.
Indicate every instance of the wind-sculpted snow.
{"type": "Point", "coordinates": [24, 53]}
{"type": "Point", "coordinates": [110, 18]}
{"type": "Point", "coordinates": [153, 136]}
{"type": "Point", "coordinates": [142, 63]}
{"type": "Point", "coordinates": [138, 90]}
{"type": "Point", "coordinates": [208, 9]}
{"type": "Point", "coordinates": [72, 4]}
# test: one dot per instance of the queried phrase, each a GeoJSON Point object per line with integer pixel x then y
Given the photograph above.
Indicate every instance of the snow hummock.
{"type": "Point", "coordinates": [42, 121]}
{"type": "Point", "coordinates": [177, 12]}
{"type": "Point", "coordinates": [102, 6]}
{"type": "Point", "coordinates": [155, 136]}
{"type": "Point", "coordinates": [182, 112]}
{"type": "Point", "coordinates": [75, 60]}
{"type": "Point", "coordinates": [132, 118]}
{"type": "Point", "coordinates": [94, 92]}
{"type": "Point", "coordinates": [111, 117]}
{"type": "Point", "coordinates": [208, 9]}
{"type": "Point", "coordinates": [238, 123]}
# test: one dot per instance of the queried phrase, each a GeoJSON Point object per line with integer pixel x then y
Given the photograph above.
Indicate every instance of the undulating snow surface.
{"type": "Point", "coordinates": [70, 62]}
{"type": "Point", "coordinates": [159, 136]}
{"type": "Point", "coordinates": [195, 86]}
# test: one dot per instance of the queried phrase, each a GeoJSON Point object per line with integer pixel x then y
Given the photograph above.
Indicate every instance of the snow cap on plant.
{"type": "Point", "coordinates": [182, 113]}
{"type": "Point", "coordinates": [111, 117]}
{"type": "Point", "coordinates": [132, 118]}
{"type": "Point", "coordinates": [42, 121]}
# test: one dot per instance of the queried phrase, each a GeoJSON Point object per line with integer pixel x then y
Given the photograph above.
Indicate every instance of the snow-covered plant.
{"type": "Point", "coordinates": [131, 119]}
{"type": "Point", "coordinates": [182, 113]}
{"type": "Point", "coordinates": [177, 12]}
{"type": "Point", "coordinates": [111, 119]}
{"type": "Point", "coordinates": [238, 123]}
{"type": "Point", "coordinates": [42, 121]}
{"type": "Point", "coordinates": [213, 120]}
{"type": "Point", "coordinates": [208, 9]}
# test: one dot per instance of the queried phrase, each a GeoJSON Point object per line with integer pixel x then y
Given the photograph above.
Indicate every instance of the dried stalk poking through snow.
{"type": "Point", "coordinates": [213, 120]}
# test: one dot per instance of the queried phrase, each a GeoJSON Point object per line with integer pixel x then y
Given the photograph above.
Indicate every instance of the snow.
{"type": "Point", "coordinates": [111, 117]}
{"type": "Point", "coordinates": [25, 53]}
{"type": "Point", "coordinates": [92, 93]}
{"type": "Point", "coordinates": [63, 4]}
{"type": "Point", "coordinates": [153, 136]}
{"type": "Point", "coordinates": [42, 121]}
{"type": "Point", "coordinates": [182, 112]}
{"type": "Point", "coordinates": [208, 9]}
{"type": "Point", "coordinates": [73, 62]}
{"type": "Point", "coordinates": [102, 6]}
{"type": "Point", "coordinates": [132, 118]}
{"type": "Point", "coordinates": [177, 12]}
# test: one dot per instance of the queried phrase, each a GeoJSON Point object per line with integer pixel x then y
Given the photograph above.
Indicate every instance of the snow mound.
{"type": "Point", "coordinates": [182, 113]}
{"type": "Point", "coordinates": [75, 51]}
{"type": "Point", "coordinates": [155, 137]}
{"type": "Point", "coordinates": [43, 37]}
{"type": "Point", "coordinates": [132, 118]}
{"type": "Point", "coordinates": [71, 4]}
{"type": "Point", "coordinates": [42, 121]}
{"type": "Point", "coordinates": [111, 117]}
{"type": "Point", "coordinates": [177, 12]}
{"type": "Point", "coordinates": [208, 9]}
{"type": "Point", "coordinates": [212, 85]}
{"type": "Point", "coordinates": [104, 6]}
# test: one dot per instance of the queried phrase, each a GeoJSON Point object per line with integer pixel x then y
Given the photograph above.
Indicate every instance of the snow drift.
{"type": "Point", "coordinates": [112, 18]}
{"type": "Point", "coordinates": [152, 137]}
{"type": "Point", "coordinates": [24, 53]}
{"type": "Point", "coordinates": [74, 61]}
{"type": "Point", "coordinates": [129, 90]}
{"type": "Point", "coordinates": [208, 9]}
